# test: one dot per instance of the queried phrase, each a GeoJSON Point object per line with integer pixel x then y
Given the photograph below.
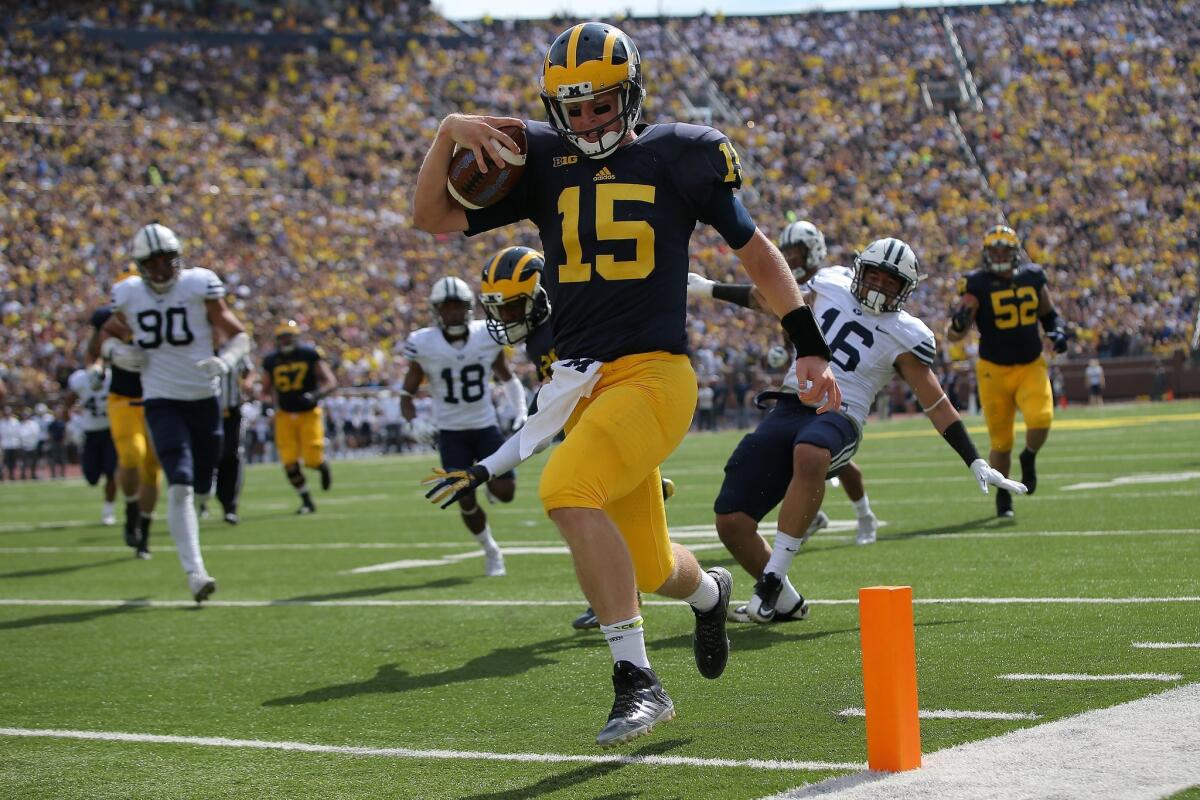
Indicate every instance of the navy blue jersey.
{"type": "Point", "coordinates": [293, 375]}
{"type": "Point", "coordinates": [539, 349]}
{"type": "Point", "coordinates": [1008, 313]}
{"type": "Point", "coordinates": [123, 381]}
{"type": "Point", "coordinates": [615, 232]}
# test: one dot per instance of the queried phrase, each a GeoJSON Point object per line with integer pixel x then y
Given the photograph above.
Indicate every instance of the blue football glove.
{"type": "Point", "coordinates": [450, 485]}
{"type": "Point", "coordinates": [1059, 339]}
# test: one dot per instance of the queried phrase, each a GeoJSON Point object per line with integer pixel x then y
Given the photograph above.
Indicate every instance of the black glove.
{"type": "Point", "coordinates": [1059, 339]}
{"type": "Point", "coordinates": [960, 320]}
{"type": "Point", "coordinates": [450, 485]}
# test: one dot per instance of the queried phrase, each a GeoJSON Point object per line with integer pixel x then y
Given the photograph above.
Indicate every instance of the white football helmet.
{"type": "Point", "coordinates": [778, 357]}
{"type": "Point", "coordinates": [809, 235]}
{"type": "Point", "coordinates": [155, 240]}
{"type": "Point", "coordinates": [892, 258]}
{"type": "Point", "coordinates": [452, 289]}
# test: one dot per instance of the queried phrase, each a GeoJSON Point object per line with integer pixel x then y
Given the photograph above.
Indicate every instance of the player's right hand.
{"type": "Point", "coordinates": [125, 356]}
{"type": "Point", "coordinates": [480, 133]}
{"type": "Point", "coordinates": [699, 286]}
{"type": "Point", "coordinates": [420, 430]}
{"type": "Point", "coordinates": [449, 485]}
{"type": "Point", "coordinates": [815, 373]}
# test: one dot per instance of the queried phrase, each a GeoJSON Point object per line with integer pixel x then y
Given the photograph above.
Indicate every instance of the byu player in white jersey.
{"type": "Point", "coordinates": [456, 357]}
{"type": "Point", "coordinates": [89, 388]}
{"type": "Point", "coordinates": [790, 453]}
{"type": "Point", "coordinates": [803, 246]}
{"type": "Point", "coordinates": [174, 313]}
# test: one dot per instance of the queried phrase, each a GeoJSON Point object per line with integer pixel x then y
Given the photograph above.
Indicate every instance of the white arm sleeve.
{"type": "Point", "coordinates": [236, 349]}
{"type": "Point", "coordinates": [514, 392]}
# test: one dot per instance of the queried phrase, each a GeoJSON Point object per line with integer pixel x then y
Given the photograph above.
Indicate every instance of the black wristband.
{"type": "Point", "coordinates": [1049, 321]}
{"type": "Point", "coordinates": [960, 320]}
{"type": "Point", "coordinates": [801, 327]}
{"type": "Point", "coordinates": [480, 473]}
{"type": "Point", "coordinates": [736, 293]}
{"type": "Point", "coordinates": [957, 437]}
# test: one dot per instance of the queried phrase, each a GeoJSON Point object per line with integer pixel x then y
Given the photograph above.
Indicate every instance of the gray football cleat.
{"type": "Point", "coordinates": [640, 704]}
{"type": "Point", "coordinates": [586, 621]}
{"type": "Point", "coordinates": [201, 585]}
{"type": "Point", "coordinates": [821, 520]}
{"type": "Point", "coordinates": [868, 529]}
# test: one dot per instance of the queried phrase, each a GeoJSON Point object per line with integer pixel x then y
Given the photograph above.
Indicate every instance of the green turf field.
{"type": "Point", "coordinates": [445, 677]}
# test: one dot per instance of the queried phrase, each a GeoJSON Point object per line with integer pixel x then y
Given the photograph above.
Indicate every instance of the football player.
{"type": "Point", "coordinates": [518, 310]}
{"type": "Point", "coordinates": [175, 312]}
{"type": "Point", "coordinates": [1006, 301]}
{"type": "Point", "coordinates": [296, 377]}
{"type": "Point", "coordinates": [137, 464]}
{"type": "Point", "coordinates": [789, 455]}
{"type": "Point", "coordinates": [456, 356]}
{"type": "Point", "coordinates": [615, 203]}
{"type": "Point", "coordinates": [803, 245]}
{"type": "Point", "coordinates": [89, 388]}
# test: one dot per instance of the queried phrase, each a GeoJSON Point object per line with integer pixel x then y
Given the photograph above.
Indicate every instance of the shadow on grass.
{"type": "Point", "coordinates": [74, 616]}
{"type": "Point", "coordinates": [982, 523]}
{"type": "Point", "coordinates": [500, 663]}
{"type": "Point", "coordinates": [39, 573]}
{"type": "Point", "coordinates": [575, 777]}
{"type": "Point", "coordinates": [349, 594]}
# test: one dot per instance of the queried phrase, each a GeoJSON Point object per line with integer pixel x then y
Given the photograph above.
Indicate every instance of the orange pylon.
{"type": "Point", "coordinates": [889, 658]}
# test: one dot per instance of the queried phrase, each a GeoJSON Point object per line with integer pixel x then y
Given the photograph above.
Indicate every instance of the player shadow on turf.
{"type": "Point", "coordinates": [990, 521]}
{"type": "Point", "coordinates": [136, 604]}
{"type": "Point", "coordinates": [504, 662]}
{"type": "Point", "coordinates": [350, 594]}
{"type": "Point", "coordinates": [39, 573]}
{"type": "Point", "coordinates": [575, 777]}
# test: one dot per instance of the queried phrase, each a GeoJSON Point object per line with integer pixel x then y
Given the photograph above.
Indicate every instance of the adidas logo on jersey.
{"type": "Point", "coordinates": [605, 174]}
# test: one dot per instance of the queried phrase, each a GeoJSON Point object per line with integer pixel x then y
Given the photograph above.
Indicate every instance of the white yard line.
{"type": "Point", "coordinates": [1167, 645]}
{"type": "Point", "coordinates": [405, 752]}
{"type": "Point", "coordinates": [465, 603]}
{"type": "Point", "coordinates": [1141, 750]}
{"type": "Point", "coordinates": [1132, 480]}
{"type": "Point", "coordinates": [1087, 676]}
{"type": "Point", "coordinates": [948, 714]}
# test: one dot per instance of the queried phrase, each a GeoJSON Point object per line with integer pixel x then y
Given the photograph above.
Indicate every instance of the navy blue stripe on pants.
{"type": "Point", "coordinates": [187, 439]}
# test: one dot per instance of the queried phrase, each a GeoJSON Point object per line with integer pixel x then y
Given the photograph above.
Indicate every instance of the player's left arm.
{"type": "Point", "coordinates": [514, 392]}
{"type": "Point", "coordinates": [1051, 324]}
{"type": "Point", "coordinates": [237, 342]}
{"type": "Point", "coordinates": [945, 419]}
{"type": "Point", "coordinates": [326, 381]}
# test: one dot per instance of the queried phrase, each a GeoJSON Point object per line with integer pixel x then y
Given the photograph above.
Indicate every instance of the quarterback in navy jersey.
{"type": "Point", "coordinates": [615, 204]}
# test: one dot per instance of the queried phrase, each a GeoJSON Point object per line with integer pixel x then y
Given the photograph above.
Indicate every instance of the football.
{"type": "Point", "coordinates": [474, 189]}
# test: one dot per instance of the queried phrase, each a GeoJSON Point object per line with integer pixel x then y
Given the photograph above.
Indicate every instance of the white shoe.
{"type": "Point", "coordinates": [821, 520]}
{"type": "Point", "coordinates": [108, 518]}
{"type": "Point", "coordinates": [493, 565]}
{"type": "Point", "coordinates": [201, 585]}
{"type": "Point", "coordinates": [868, 526]}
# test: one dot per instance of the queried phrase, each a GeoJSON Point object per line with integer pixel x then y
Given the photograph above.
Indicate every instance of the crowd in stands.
{"type": "Point", "coordinates": [289, 171]}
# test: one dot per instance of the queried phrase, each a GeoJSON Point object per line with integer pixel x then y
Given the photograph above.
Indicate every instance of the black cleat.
{"type": "Point", "coordinates": [1004, 507]}
{"type": "Point", "coordinates": [709, 642]}
{"type": "Point", "coordinates": [143, 538]}
{"type": "Point", "coordinates": [326, 477]}
{"type": "Point", "coordinates": [586, 621]}
{"type": "Point", "coordinates": [306, 508]}
{"type": "Point", "coordinates": [640, 704]}
{"type": "Point", "coordinates": [231, 518]}
{"type": "Point", "coordinates": [132, 515]}
{"type": "Point", "coordinates": [761, 607]}
{"type": "Point", "coordinates": [1029, 470]}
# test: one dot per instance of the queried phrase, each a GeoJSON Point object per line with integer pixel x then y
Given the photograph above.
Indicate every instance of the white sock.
{"type": "Point", "coordinates": [706, 595]}
{"type": "Point", "coordinates": [862, 507]}
{"type": "Point", "coordinates": [786, 548]}
{"type": "Point", "coordinates": [627, 641]}
{"type": "Point", "coordinates": [108, 508]}
{"type": "Point", "coordinates": [486, 541]}
{"type": "Point", "coordinates": [788, 596]}
{"type": "Point", "coordinates": [184, 527]}
{"type": "Point", "coordinates": [130, 498]}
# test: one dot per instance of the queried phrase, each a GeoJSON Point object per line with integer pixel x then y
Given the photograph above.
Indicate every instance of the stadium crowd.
{"type": "Point", "coordinates": [288, 170]}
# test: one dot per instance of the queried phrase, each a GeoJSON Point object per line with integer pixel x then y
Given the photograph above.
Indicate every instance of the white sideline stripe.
{"type": "Point", "coordinates": [1134, 480]}
{"type": "Point", "coordinates": [405, 752]}
{"type": "Point", "coordinates": [948, 714]}
{"type": "Point", "coordinates": [689, 532]}
{"type": "Point", "coordinates": [1085, 676]}
{"type": "Point", "coordinates": [986, 601]}
{"type": "Point", "coordinates": [1166, 645]}
{"type": "Point", "coordinates": [1144, 749]}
